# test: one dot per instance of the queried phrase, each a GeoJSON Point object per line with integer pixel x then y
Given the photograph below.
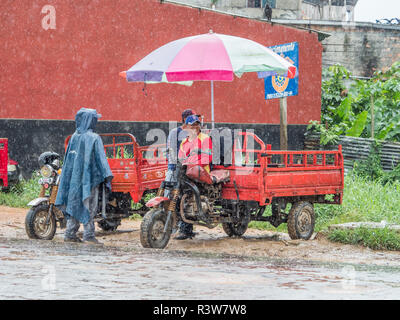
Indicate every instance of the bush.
{"type": "Point", "coordinates": [347, 110]}
{"type": "Point", "coordinates": [371, 168]}
{"type": "Point", "coordinates": [21, 194]}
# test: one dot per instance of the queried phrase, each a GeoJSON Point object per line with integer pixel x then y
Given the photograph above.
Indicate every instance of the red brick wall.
{"type": "Point", "coordinates": [50, 74]}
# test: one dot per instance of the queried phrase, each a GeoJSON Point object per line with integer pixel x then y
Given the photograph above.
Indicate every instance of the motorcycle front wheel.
{"type": "Point", "coordinates": [152, 233]}
{"type": "Point", "coordinates": [35, 223]}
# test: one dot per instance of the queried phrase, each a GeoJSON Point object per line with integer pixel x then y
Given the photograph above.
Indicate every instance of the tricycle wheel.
{"type": "Point", "coordinates": [152, 233]}
{"type": "Point", "coordinates": [235, 229]}
{"type": "Point", "coordinates": [35, 223]}
{"type": "Point", "coordinates": [109, 225]}
{"type": "Point", "coordinates": [301, 220]}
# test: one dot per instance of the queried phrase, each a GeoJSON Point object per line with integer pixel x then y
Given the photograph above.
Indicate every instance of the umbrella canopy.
{"type": "Point", "coordinates": [208, 57]}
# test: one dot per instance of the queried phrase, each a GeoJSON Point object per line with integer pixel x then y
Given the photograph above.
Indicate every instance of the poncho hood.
{"type": "Point", "coordinates": [86, 119]}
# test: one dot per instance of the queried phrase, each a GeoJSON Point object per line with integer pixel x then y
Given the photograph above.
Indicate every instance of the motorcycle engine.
{"type": "Point", "coordinates": [206, 206]}
{"type": "Point", "coordinates": [189, 206]}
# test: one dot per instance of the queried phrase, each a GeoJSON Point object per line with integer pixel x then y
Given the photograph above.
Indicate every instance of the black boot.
{"type": "Point", "coordinates": [185, 231]}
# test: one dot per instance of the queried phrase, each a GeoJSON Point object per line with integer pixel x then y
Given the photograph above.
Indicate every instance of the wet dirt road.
{"type": "Point", "coordinates": [212, 266]}
{"type": "Point", "coordinates": [53, 270]}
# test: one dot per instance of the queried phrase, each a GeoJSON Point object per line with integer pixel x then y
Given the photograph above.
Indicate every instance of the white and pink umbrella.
{"type": "Point", "coordinates": [208, 57]}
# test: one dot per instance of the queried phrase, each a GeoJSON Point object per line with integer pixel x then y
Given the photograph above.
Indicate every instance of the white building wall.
{"type": "Point", "coordinates": [284, 9]}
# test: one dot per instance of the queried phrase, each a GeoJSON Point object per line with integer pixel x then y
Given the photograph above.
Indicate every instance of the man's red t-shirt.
{"type": "Point", "coordinates": [203, 158]}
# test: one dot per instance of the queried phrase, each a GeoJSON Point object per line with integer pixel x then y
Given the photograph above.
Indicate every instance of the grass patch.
{"type": "Point", "coordinates": [135, 216]}
{"type": "Point", "coordinates": [377, 239]}
{"type": "Point", "coordinates": [363, 200]}
{"type": "Point", "coordinates": [263, 225]}
{"type": "Point", "coordinates": [137, 206]}
{"type": "Point", "coordinates": [21, 194]}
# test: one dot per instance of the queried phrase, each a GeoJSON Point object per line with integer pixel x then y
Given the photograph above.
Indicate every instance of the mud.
{"type": "Point", "coordinates": [261, 265]}
{"type": "Point", "coordinates": [214, 242]}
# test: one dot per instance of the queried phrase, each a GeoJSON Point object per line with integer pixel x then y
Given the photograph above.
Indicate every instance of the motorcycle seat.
{"type": "Point", "coordinates": [199, 174]}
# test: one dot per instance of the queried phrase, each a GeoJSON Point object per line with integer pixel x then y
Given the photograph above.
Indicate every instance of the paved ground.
{"type": "Point", "coordinates": [261, 265]}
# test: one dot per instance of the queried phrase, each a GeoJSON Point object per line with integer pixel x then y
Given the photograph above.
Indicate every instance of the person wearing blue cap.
{"type": "Point", "coordinates": [85, 167]}
{"type": "Point", "coordinates": [197, 143]}
{"type": "Point", "coordinates": [197, 146]}
{"type": "Point", "coordinates": [175, 138]}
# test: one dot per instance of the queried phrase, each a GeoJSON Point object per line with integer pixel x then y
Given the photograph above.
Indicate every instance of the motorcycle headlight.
{"type": "Point", "coordinates": [56, 163]}
{"type": "Point", "coordinates": [46, 171]}
{"type": "Point", "coordinates": [11, 167]}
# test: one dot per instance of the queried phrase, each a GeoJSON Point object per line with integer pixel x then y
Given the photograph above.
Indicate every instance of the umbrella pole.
{"type": "Point", "coordinates": [212, 104]}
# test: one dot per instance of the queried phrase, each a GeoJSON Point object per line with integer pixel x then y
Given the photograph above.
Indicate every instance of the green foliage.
{"type": "Point", "coordinates": [391, 176]}
{"type": "Point", "coordinates": [358, 125]}
{"type": "Point", "coordinates": [363, 200]}
{"type": "Point", "coordinates": [127, 154]}
{"type": "Point", "coordinates": [383, 90]}
{"type": "Point", "coordinates": [377, 239]}
{"type": "Point", "coordinates": [328, 136]}
{"type": "Point", "coordinates": [138, 205]}
{"type": "Point", "coordinates": [337, 114]}
{"type": "Point", "coordinates": [347, 111]}
{"type": "Point", "coordinates": [371, 167]}
{"type": "Point", "coordinates": [333, 94]}
{"type": "Point", "coordinates": [20, 195]}
{"type": "Point", "coordinates": [135, 216]}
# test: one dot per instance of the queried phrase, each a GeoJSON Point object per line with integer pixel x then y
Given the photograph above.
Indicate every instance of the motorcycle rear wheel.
{"type": "Point", "coordinates": [35, 223]}
{"type": "Point", "coordinates": [152, 233]}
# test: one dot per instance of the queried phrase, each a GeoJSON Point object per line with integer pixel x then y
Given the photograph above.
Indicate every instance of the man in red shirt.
{"type": "Point", "coordinates": [197, 145]}
{"type": "Point", "coordinates": [197, 149]}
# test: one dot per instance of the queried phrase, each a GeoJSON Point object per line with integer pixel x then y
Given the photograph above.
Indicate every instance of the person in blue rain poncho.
{"type": "Point", "coordinates": [85, 167]}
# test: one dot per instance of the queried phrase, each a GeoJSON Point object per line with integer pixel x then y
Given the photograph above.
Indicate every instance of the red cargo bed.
{"type": "Point", "coordinates": [3, 162]}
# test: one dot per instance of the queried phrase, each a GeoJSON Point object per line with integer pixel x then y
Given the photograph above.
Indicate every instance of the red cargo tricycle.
{"type": "Point", "coordinates": [137, 170]}
{"type": "Point", "coordinates": [237, 193]}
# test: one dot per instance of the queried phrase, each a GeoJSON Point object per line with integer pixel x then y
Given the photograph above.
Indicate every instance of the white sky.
{"type": "Point", "coordinates": [371, 10]}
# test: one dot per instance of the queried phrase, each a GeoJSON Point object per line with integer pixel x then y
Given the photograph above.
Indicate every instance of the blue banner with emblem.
{"type": "Point", "coordinates": [279, 86]}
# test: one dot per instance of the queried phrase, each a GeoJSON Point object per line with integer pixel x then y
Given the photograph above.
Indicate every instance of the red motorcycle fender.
{"type": "Point", "coordinates": [155, 201]}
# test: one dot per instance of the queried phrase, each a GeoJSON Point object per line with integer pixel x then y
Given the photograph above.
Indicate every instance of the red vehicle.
{"type": "Point", "coordinates": [238, 193]}
{"type": "Point", "coordinates": [9, 169]}
{"type": "Point", "coordinates": [137, 170]}
{"type": "Point", "coordinates": [258, 177]}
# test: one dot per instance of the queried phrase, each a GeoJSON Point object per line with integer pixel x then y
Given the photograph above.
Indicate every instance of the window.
{"type": "Point", "coordinates": [260, 3]}
{"type": "Point", "coordinates": [254, 3]}
{"type": "Point", "coordinates": [339, 3]}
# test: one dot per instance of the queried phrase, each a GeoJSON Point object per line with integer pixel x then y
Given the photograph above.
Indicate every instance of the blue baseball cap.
{"type": "Point", "coordinates": [192, 119]}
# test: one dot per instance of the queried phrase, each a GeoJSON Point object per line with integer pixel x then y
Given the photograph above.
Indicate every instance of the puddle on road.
{"type": "Point", "coordinates": [55, 270]}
